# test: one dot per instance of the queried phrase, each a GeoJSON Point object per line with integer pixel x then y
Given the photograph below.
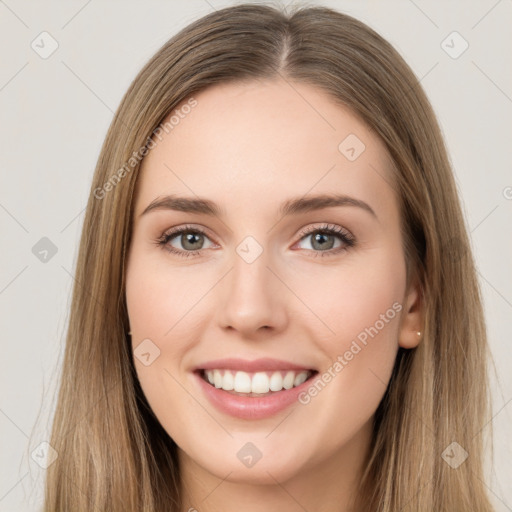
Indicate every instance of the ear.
{"type": "Point", "coordinates": [411, 321]}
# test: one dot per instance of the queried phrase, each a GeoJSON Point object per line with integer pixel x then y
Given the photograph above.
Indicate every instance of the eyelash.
{"type": "Point", "coordinates": [347, 238]}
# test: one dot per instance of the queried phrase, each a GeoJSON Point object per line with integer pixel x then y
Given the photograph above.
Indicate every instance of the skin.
{"type": "Point", "coordinates": [249, 147]}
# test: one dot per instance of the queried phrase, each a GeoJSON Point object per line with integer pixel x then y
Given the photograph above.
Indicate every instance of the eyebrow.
{"type": "Point", "coordinates": [292, 206]}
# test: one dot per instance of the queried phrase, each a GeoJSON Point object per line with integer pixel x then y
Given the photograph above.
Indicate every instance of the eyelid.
{"type": "Point", "coordinates": [185, 227]}
{"type": "Point", "coordinates": [326, 227]}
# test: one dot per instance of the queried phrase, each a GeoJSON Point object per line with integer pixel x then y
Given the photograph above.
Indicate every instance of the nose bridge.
{"type": "Point", "coordinates": [250, 298]}
{"type": "Point", "coordinates": [250, 272]}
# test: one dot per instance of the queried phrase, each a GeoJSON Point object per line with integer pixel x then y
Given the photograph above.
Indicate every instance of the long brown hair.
{"type": "Point", "coordinates": [112, 452]}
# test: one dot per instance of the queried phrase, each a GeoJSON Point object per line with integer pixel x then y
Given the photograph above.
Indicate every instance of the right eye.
{"type": "Point", "coordinates": [190, 239]}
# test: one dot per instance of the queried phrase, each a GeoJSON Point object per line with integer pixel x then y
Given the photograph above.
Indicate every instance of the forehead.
{"type": "Point", "coordinates": [264, 141]}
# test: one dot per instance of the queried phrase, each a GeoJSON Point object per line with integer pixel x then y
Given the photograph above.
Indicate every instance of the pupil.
{"type": "Point", "coordinates": [189, 240]}
{"type": "Point", "coordinates": [320, 238]}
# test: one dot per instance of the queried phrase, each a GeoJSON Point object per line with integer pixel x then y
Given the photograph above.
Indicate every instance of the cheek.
{"type": "Point", "coordinates": [362, 305]}
{"type": "Point", "coordinates": [352, 296]}
{"type": "Point", "coordinates": [152, 302]}
{"type": "Point", "coordinates": [164, 306]}
{"type": "Point", "coordinates": [158, 299]}
{"type": "Point", "coordinates": [365, 303]}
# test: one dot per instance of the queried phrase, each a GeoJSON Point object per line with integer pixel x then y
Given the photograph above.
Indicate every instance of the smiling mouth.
{"type": "Point", "coordinates": [255, 384]}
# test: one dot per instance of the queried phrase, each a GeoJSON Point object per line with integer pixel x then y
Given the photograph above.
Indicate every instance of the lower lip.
{"type": "Point", "coordinates": [251, 408]}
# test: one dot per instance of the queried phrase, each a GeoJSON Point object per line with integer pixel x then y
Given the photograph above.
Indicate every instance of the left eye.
{"type": "Point", "coordinates": [322, 240]}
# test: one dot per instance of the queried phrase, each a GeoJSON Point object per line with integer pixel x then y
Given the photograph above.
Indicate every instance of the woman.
{"type": "Point", "coordinates": [276, 306]}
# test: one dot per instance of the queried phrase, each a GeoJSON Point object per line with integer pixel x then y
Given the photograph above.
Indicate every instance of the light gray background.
{"type": "Point", "coordinates": [55, 113]}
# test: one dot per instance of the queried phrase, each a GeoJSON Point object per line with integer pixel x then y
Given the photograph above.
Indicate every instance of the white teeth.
{"type": "Point", "coordinates": [242, 382]}
{"type": "Point", "coordinates": [299, 379]}
{"type": "Point", "coordinates": [288, 380]}
{"type": "Point", "coordinates": [259, 382]}
{"type": "Point", "coordinates": [217, 378]}
{"type": "Point", "coordinates": [228, 381]}
{"type": "Point", "coordinates": [276, 382]}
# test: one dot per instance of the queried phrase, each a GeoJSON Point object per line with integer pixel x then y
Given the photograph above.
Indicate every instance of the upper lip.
{"type": "Point", "coordinates": [255, 365]}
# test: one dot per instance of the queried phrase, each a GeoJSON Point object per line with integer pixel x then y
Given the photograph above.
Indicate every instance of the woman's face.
{"type": "Point", "coordinates": [278, 285]}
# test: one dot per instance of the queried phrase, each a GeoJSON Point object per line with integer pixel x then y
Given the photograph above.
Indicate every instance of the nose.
{"type": "Point", "coordinates": [253, 298]}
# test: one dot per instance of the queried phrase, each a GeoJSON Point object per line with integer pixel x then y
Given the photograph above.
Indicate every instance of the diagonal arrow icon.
{"type": "Point", "coordinates": [147, 352]}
